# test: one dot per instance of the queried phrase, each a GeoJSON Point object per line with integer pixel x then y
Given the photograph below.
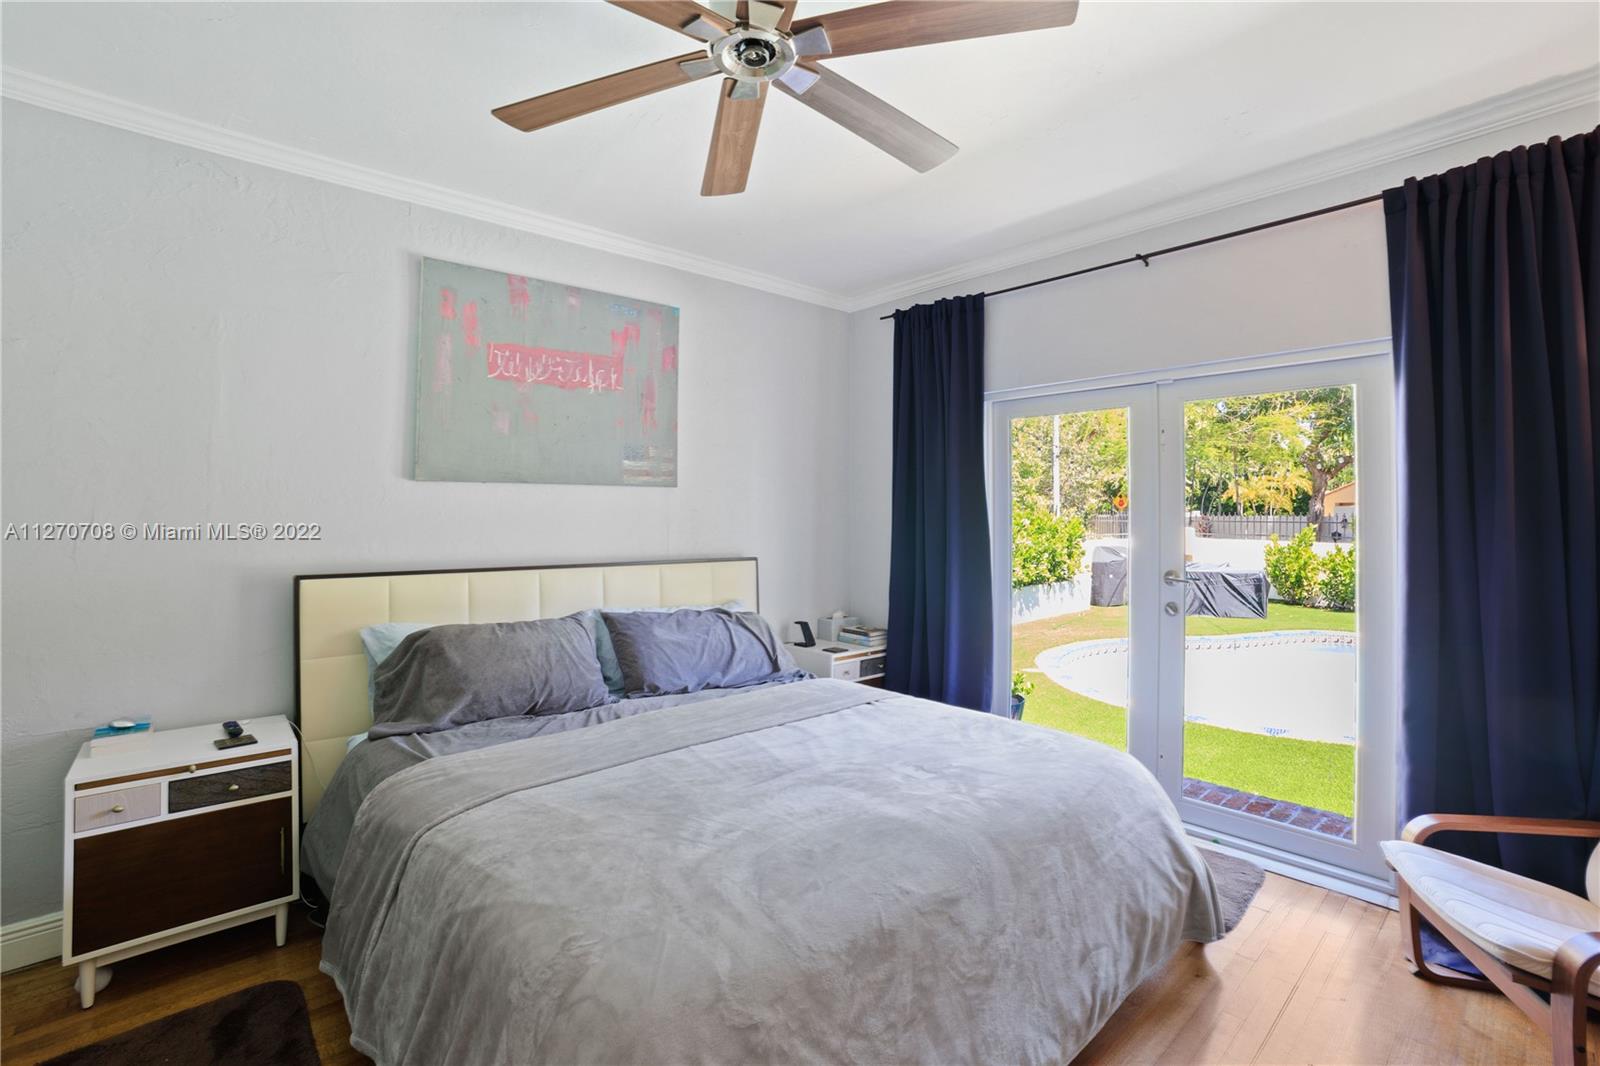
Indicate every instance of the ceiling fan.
{"type": "Point", "coordinates": [763, 44]}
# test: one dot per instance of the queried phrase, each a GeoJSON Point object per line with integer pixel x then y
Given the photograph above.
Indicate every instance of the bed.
{"type": "Point", "coordinates": [799, 870]}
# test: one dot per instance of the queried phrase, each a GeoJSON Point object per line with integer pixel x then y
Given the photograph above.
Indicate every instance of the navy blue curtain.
{"type": "Point", "coordinates": [1494, 282]}
{"type": "Point", "coordinates": [940, 612]}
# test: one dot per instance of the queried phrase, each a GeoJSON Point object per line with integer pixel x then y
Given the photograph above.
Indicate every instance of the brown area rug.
{"type": "Point", "coordinates": [265, 1025]}
{"type": "Point", "coordinates": [1238, 881]}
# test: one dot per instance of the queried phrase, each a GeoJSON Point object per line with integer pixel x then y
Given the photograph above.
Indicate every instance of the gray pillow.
{"type": "Point", "coordinates": [688, 650]}
{"type": "Point", "coordinates": [450, 675]}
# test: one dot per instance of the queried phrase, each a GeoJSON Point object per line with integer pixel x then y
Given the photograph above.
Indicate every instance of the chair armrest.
{"type": "Point", "coordinates": [1424, 826]}
{"type": "Point", "coordinates": [1575, 963]}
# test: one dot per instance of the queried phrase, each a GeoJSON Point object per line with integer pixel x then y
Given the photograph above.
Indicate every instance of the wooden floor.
{"type": "Point", "coordinates": [1309, 976]}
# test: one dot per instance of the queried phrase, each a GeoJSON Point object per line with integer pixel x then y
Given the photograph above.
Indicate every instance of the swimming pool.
{"type": "Point", "coordinates": [1294, 683]}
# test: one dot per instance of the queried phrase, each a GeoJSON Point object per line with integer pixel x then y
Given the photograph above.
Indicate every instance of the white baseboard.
{"type": "Point", "coordinates": [1299, 868]}
{"type": "Point", "coordinates": [29, 941]}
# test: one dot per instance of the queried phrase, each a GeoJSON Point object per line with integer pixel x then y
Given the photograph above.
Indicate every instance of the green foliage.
{"type": "Point", "coordinates": [1294, 569]}
{"type": "Point", "coordinates": [1021, 685]}
{"type": "Point", "coordinates": [1044, 548]}
{"type": "Point", "coordinates": [1338, 581]}
{"type": "Point", "coordinates": [1274, 453]}
{"type": "Point", "coordinates": [1091, 460]}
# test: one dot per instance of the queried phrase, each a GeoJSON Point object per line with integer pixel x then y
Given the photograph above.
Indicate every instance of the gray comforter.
{"type": "Point", "coordinates": [373, 761]}
{"type": "Point", "coordinates": [813, 872]}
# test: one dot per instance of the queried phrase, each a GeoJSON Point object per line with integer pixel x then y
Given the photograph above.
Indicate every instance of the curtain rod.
{"type": "Point", "coordinates": [1146, 257]}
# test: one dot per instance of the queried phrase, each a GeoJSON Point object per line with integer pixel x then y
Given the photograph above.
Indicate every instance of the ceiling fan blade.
{"type": "Point", "coordinates": [676, 15]}
{"type": "Point", "coordinates": [540, 111]}
{"type": "Point", "coordinates": [733, 140]}
{"type": "Point", "coordinates": [908, 23]}
{"type": "Point", "coordinates": [768, 16]}
{"type": "Point", "coordinates": [871, 119]}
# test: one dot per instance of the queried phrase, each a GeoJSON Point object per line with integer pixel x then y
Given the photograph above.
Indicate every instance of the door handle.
{"type": "Point", "coordinates": [1172, 577]}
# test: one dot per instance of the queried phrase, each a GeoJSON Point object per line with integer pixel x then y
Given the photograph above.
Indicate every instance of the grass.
{"type": "Point", "coordinates": [1308, 772]}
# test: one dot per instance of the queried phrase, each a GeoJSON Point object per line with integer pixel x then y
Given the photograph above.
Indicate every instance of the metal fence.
{"type": "Point", "coordinates": [1340, 529]}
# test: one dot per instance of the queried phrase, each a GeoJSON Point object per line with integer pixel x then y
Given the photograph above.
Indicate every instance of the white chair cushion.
{"type": "Point", "coordinates": [1516, 919]}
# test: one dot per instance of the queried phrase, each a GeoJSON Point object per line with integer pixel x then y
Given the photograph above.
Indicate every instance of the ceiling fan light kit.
{"type": "Point", "coordinates": [762, 45]}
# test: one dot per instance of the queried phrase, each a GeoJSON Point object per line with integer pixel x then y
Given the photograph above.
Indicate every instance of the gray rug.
{"type": "Point", "coordinates": [1237, 880]}
{"type": "Point", "coordinates": [267, 1025]}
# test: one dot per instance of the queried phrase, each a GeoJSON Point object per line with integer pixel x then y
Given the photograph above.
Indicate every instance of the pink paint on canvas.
{"type": "Point", "coordinates": [517, 293]}
{"type": "Point", "coordinates": [647, 403]}
{"type": "Point", "coordinates": [669, 357]}
{"type": "Point", "coordinates": [552, 366]}
{"type": "Point", "coordinates": [469, 323]}
{"type": "Point", "coordinates": [447, 303]}
{"type": "Point", "coordinates": [621, 338]}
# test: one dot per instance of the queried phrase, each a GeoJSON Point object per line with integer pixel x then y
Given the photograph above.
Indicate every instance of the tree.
{"type": "Point", "coordinates": [1277, 452]}
{"type": "Point", "coordinates": [1091, 461]}
{"type": "Point", "coordinates": [1330, 450]}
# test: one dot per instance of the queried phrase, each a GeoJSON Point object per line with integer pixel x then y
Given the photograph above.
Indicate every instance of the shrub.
{"type": "Point", "coordinates": [1294, 569]}
{"type": "Point", "coordinates": [1045, 548]}
{"type": "Point", "coordinates": [1338, 580]}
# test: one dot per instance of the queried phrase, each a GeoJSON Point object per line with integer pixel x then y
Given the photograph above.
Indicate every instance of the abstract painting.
{"type": "Point", "coordinates": [527, 380]}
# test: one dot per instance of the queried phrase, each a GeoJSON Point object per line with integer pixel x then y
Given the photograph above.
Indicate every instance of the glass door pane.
{"type": "Point", "coordinates": [1071, 508]}
{"type": "Point", "coordinates": [1269, 591]}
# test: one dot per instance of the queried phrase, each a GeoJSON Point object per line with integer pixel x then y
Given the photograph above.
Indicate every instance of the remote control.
{"type": "Point", "coordinates": [234, 742]}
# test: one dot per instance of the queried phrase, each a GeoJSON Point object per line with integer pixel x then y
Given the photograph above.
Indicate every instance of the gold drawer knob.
{"type": "Point", "coordinates": [118, 809]}
{"type": "Point", "coordinates": [192, 768]}
{"type": "Point", "coordinates": [233, 788]}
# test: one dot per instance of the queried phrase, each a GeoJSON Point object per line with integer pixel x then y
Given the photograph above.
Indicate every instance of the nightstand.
{"type": "Point", "coordinates": [846, 662]}
{"type": "Point", "coordinates": [178, 839]}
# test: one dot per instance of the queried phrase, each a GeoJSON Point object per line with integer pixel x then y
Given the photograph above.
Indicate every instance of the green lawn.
{"type": "Point", "coordinates": [1308, 772]}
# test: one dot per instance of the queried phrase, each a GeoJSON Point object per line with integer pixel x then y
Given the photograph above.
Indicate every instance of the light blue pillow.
{"type": "Point", "coordinates": [380, 641]}
{"type": "Point", "coordinates": [606, 652]}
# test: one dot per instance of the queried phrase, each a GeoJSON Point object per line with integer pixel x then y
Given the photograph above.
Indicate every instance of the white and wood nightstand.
{"type": "Point", "coordinates": [176, 840]}
{"type": "Point", "coordinates": [847, 662]}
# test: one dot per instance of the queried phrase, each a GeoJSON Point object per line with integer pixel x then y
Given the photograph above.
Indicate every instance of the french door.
{"type": "Point", "coordinates": [1201, 572]}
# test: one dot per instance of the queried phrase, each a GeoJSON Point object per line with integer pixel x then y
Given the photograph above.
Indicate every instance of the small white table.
{"type": "Point", "coordinates": [847, 662]}
{"type": "Point", "coordinates": [176, 839]}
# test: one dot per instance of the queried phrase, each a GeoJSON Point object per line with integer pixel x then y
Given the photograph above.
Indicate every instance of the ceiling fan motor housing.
{"type": "Point", "coordinates": [752, 54]}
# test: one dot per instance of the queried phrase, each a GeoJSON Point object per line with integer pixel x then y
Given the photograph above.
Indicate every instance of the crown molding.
{"type": "Point", "coordinates": [1452, 127]}
{"type": "Point", "coordinates": [1527, 104]}
{"type": "Point", "coordinates": [137, 118]}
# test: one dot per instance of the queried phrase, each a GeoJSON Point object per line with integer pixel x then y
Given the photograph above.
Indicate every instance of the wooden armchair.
{"type": "Point", "coordinates": [1523, 935]}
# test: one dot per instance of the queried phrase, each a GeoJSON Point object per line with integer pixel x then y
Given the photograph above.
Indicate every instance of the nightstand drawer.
{"type": "Point", "coordinates": [166, 874]}
{"type": "Point", "coordinates": [230, 785]}
{"type": "Point", "coordinates": [115, 808]}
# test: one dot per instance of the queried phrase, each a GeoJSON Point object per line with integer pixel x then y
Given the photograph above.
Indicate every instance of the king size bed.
{"type": "Point", "coordinates": [774, 868]}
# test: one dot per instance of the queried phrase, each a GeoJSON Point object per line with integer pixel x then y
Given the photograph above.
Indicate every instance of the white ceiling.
{"type": "Point", "coordinates": [1135, 105]}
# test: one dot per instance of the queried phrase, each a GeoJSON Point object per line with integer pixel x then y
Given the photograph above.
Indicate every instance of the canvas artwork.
{"type": "Point", "coordinates": [527, 380]}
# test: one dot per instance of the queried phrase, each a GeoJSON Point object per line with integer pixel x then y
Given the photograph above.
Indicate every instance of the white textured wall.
{"type": "Point", "coordinates": [1315, 283]}
{"type": "Point", "coordinates": [190, 339]}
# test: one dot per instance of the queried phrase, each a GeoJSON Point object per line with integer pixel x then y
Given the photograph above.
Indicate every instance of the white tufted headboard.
{"type": "Point", "coordinates": [331, 610]}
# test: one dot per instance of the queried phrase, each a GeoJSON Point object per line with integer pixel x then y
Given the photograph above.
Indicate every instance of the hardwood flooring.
{"type": "Point", "coordinates": [40, 1017]}
{"type": "Point", "coordinates": [1309, 976]}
